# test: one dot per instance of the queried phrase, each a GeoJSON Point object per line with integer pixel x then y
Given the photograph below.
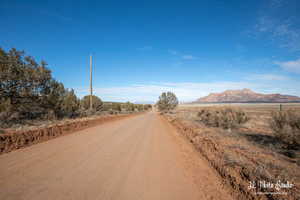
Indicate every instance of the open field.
{"type": "Point", "coordinates": [259, 113]}
{"type": "Point", "coordinates": [248, 153]}
{"type": "Point", "coordinates": [264, 106]}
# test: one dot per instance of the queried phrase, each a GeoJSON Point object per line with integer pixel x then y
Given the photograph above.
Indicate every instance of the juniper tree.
{"type": "Point", "coordinates": [167, 101]}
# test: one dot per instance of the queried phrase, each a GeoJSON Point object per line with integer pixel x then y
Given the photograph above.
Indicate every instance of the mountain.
{"type": "Point", "coordinates": [246, 96]}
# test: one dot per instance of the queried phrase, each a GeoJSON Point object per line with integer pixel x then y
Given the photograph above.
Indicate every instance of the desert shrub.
{"type": "Point", "coordinates": [116, 107]}
{"type": "Point", "coordinates": [112, 107]}
{"type": "Point", "coordinates": [167, 101]}
{"type": "Point", "coordinates": [226, 118]}
{"type": "Point", "coordinates": [113, 112]}
{"type": "Point", "coordinates": [96, 103]}
{"type": "Point", "coordinates": [106, 106]}
{"type": "Point", "coordinates": [129, 107]}
{"type": "Point", "coordinates": [286, 126]}
{"type": "Point", "coordinates": [60, 102]}
{"type": "Point", "coordinates": [70, 104]}
{"type": "Point", "coordinates": [139, 107]}
{"type": "Point", "coordinates": [148, 107]}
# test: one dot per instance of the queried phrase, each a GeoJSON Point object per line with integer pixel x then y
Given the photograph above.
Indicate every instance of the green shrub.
{"type": "Point", "coordinates": [139, 107]}
{"type": "Point", "coordinates": [70, 104]}
{"type": "Point", "coordinates": [129, 107]}
{"type": "Point", "coordinates": [96, 103]}
{"type": "Point", "coordinates": [167, 101]}
{"type": "Point", "coordinates": [226, 117]}
{"type": "Point", "coordinates": [116, 107]}
{"type": "Point", "coordinates": [148, 107]}
{"type": "Point", "coordinates": [286, 126]}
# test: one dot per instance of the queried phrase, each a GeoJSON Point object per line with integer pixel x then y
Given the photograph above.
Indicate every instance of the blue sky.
{"type": "Point", "coordinates": [142, 48]}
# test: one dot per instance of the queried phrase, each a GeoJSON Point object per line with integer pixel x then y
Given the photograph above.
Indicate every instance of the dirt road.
{"type": "Point", "coordinates": [141, 157]}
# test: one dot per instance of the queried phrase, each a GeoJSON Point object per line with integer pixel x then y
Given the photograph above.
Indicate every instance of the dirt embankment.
{"type": "Point", "coordinates": [13, 140]}
{"type": "Point", "coordinates": [236, 168]}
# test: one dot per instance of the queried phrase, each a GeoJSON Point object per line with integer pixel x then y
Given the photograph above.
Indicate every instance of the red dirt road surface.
{"type": "Point", "coordinates": [141, 157]}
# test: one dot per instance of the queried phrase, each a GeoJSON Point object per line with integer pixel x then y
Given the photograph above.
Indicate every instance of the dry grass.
{"type": "Point", "coordinates": [224, 117]}
{"type": "Point", "coordinates": [286, 126]}
{"type": "Point", "coordinates": [257, 149]}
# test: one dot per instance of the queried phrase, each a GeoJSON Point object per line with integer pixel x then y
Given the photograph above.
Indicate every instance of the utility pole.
{"type": "Point", "coordinates": [91, 84]}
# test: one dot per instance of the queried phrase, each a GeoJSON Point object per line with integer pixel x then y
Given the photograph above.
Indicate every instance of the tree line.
{"type": "Point", "coordinates": [28, 91]}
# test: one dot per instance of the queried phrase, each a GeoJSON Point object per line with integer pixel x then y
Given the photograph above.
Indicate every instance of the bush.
{"type": "Point", "coordinates": [139, 107]}
{"type": "Point", "coordinates": [97, 103]}
{"type": "Point", "coordinates": [286, 126]}
{"type": "Point", "coordinates": [226, 118]}
{"type": "Point", "coordinates": [116, 107]}
{"type": "Point", "coordinates": [70, 104]}
{"type": "Point", "coordinates": [129, 107]}
{"type": "Point", "coordinates": [167, 101]}
{"type": "Point", "coordinates": [148, 107]}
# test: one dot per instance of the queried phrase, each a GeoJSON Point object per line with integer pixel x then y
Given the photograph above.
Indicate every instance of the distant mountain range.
{"type": "Point", "coordinates": [246, 96]}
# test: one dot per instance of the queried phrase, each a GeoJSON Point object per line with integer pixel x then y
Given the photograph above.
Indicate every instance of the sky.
{"type": "Point", "coordinates": [142, 48]}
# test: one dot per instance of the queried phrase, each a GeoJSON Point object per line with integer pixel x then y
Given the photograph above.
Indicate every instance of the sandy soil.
{"type": "Point", "coordinates": [142, 157]}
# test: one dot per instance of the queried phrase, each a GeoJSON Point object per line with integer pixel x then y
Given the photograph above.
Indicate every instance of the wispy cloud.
{"type": "Point", "coordinates": [181, 55]}
{"type": "Point", "coordinates": [173, 52]}
{"type": "Point", "coordinates": [145, 48]}
{"type": "Point", "coordinates": [292, 66]}
{"type": "Point", "coordinates": [267, 77]}
{"type": "Point", "coordinates": [177, 64]}
{"type": "Point", "coordinates": [187, 91]}
{"type": "Point", "coordinates": [283, 31]}
{"type": "Point", "coordinates": [189, 57]}
{"type": "Point", "coordinates": [275, 3]}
